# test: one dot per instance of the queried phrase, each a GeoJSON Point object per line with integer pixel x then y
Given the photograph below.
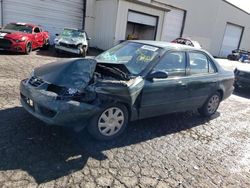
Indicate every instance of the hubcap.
{"type": "Point", "coordinates": [213, 104]}
{"type": "Point", "coordinates": [111, 121]}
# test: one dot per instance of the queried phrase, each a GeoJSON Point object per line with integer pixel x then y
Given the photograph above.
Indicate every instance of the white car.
{"type": "Point", "coordinates": [72, 41]}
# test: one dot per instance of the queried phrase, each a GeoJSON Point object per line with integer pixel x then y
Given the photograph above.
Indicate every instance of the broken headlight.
{"type": "Point", "coordinates": [72, 91]}
{"type": "Point", "coordinates": [69, 94]}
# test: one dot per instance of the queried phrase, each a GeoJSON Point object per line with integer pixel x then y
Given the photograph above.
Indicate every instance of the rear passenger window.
{"type": "Point", "coordinates": [173, 63]}
{"type": "Point", "coordinates": [199, 64]}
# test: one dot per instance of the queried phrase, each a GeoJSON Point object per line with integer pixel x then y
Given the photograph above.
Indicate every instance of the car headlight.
{"type": "Point", "coordinates": [31, 75]}
{"type": "Point", "coordinates": [56, 41]}
{"type": "Point", "coordinates": [21, 40]}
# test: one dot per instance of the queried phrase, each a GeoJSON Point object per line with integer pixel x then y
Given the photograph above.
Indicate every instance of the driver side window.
{"type": "Point", "coordinates": [174, 63]}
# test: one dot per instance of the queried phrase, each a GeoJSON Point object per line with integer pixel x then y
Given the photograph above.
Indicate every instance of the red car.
{"type": "Point", "coordinates": [22, 37]}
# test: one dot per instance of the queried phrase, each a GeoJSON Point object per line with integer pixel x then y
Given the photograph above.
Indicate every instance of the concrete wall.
{"type": "Point", "coordinates": [90, 19]}
{"type": "Point", "coordinates": [104, 26]}
{"type": "Point", "coordinates": [1, 24]}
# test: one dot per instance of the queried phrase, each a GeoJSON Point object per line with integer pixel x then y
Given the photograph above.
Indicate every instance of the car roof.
{"type": "Point", "coordinates": [21, 23]}
{"type": "Point", "coordinates": [166, 45]}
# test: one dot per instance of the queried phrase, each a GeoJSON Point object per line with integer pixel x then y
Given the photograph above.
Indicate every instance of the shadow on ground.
{"type": "Point", "coordinates": [51, 53]}
{"type": "Point", "coordinates": [47, 153]}
{"type": "Point", "coordinates": [243, 92]}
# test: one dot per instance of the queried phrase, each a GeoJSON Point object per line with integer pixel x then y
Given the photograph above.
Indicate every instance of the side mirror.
{"type": "Point", "coordinates": [57, 34]}
{"type": "Point", "coordinates": [157, 75]}
{"type": "Point", "coordinates": [88, 38]}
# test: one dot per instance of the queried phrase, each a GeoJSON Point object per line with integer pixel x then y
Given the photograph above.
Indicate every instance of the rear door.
{"type": "Point", "coordinates": [161, 96]}
{"type": "Point", "coordinates": [203, 78]}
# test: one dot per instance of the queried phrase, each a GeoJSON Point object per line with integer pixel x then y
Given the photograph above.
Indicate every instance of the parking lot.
{"type": "Point", "coordinates": [177, 150]}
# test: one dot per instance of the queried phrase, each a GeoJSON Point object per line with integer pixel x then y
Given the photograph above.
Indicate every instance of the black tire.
{"type": "Point", "coordinates": [97, 120]}
{"type": "Point", "coordinates": [57, 52]}
{"type": "Point", "coordinates": [46, 45]}
{"type": "Point", "coordinates": [28, 48]}
{"type": "Point", "coordinates": [211, 105]}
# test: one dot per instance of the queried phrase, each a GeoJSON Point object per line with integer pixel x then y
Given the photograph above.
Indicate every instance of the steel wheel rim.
{"type": "Point", "coordinates": [213, 104]}
{"type": "Point", "coordinates": [111, 121]}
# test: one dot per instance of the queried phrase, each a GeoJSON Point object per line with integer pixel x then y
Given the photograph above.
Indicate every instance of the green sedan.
{"type": "Point", "coordinates": [133, 80]}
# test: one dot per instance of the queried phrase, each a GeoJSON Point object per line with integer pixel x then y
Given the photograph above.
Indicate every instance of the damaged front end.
{"type": "Point", "coordinates": [69, 93]}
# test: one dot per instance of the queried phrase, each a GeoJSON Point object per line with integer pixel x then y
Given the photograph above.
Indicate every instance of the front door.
{"type": "Point", "coordinates": [39, 40]}
{"type": "Point", "coordinates": [162, 96]}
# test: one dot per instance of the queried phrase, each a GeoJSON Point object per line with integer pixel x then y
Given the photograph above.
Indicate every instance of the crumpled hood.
{"type": "Point", "coordinates": [244, 67]}
{"type": "Point", "coordinates": [73, 73]}
{"type": "Point", "coordinates": [70, 40]}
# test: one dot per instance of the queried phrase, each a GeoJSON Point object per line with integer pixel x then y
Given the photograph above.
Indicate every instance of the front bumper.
{"type": "Point", "coordinates": [70, 50]}
{"type": "Point", "coordinates": [242, 82]}
{"type": "Point", "coordinates": [10, 45]}
{"type": "Point", "coordinates": [46, 107]}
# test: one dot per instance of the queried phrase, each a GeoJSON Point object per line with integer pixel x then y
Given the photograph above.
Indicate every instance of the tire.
{"type": "Point", "coordinates": [104, 126]}
{"type": "Point", "coordinates": [84, 51]}
{"type": "Point", "coordinates": [57, 52]}
{"type": "Point", "coordinates": [46, 45]}
{"type": "Point", "coordinates": [211, 105]}
{"type": "Point", "coordinates": [28, 48]}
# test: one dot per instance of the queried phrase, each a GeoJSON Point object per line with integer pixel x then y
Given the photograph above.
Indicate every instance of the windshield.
{"type": "Point", "coordinates": [135, 56]}
{"type": "Point", "coordinates": [19, 27]}
{"type": "Point", "coordinates": [72, 33]}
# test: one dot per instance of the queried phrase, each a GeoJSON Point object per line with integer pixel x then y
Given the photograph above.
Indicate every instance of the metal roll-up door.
{"type": "Point", "coordinates": [231, 40]}
{"type": "Point", "coordinates": [52, 15]}
{"type": "Point", "coordinates": [140, 18]}
{"type": "Point", "coordinates": [141, 26]}
{"type": "Point", "coordinates": [173, 24]}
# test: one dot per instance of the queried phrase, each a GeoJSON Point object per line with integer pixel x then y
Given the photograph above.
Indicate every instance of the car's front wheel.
{"type": "Point", "coordinates": [109, 123]}
{"type": "Point", "coordinates": [46, 44]}
{"type": "Point", "coordinates": [211, 105]}
{"type": "Point", "coordinates": [28, 48]}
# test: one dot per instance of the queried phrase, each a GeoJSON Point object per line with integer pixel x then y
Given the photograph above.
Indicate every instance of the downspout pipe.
{"type": "Point", "coordinates": [1, 3]}
{"type": "Point", "coordinates": [84, 13]}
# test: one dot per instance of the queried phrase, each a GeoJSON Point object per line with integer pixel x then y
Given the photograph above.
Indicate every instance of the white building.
{"type": "Point", "coordinates": [219, 26]}
{"type": "Point", "coordinates": [53, 15]}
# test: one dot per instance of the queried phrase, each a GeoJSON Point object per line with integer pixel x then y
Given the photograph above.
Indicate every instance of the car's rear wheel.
{"type": "Point", "coordinates": [46, 45]}
{"type": "Point", "coordinates": [28, 48]}
{"type": "Point", "coordinates": [211, 105]}
{"type": "Point", "coordinates": [109, 123]}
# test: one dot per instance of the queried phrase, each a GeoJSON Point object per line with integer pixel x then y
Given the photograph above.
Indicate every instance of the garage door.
{"type": "Point", "coordinates": [172, 26]}
{"type": "Point", "coordinates": [231, 39]}
{"type": "Point", "coordinates": [52, 15]}
{"type": "Point", "coordinates": [141, 26]}
{"type": "Point", "coordinates": [143, 19]}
